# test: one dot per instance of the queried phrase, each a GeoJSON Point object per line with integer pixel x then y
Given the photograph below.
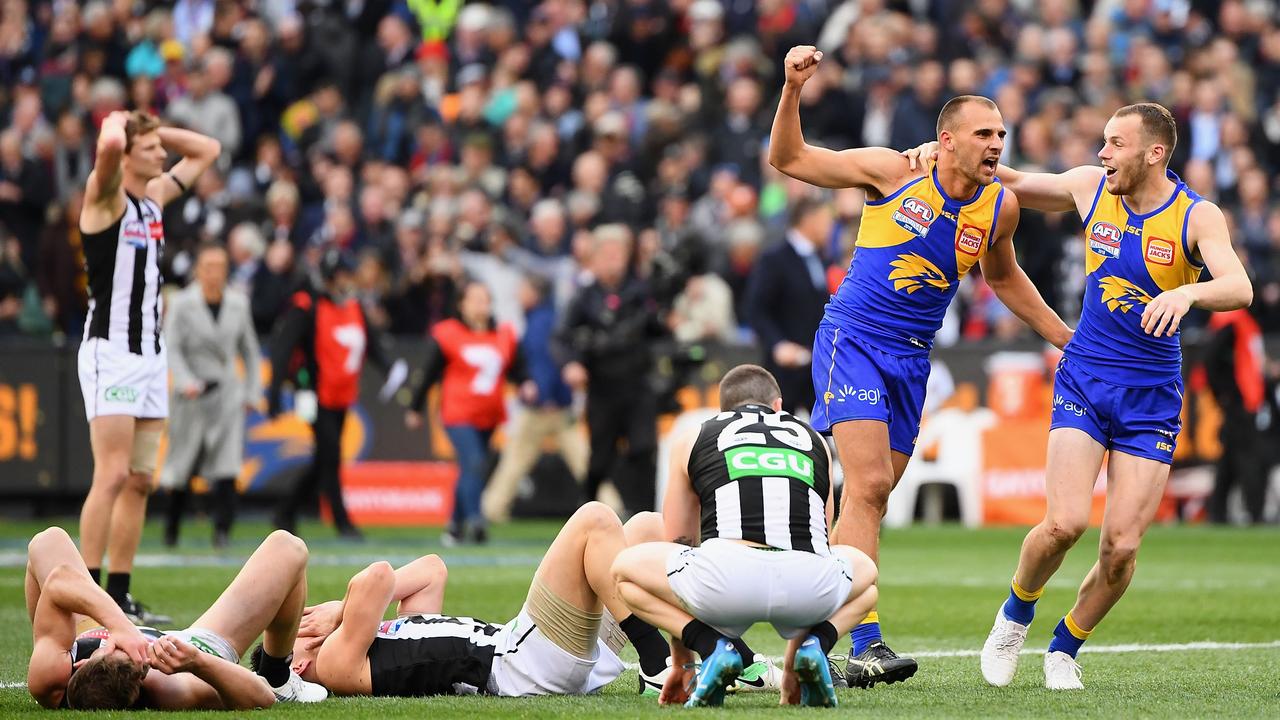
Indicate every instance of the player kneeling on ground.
{"type": "Point", "coordinates": [760, 480]}
{"type": "Point", "coordinates": [564, 641]}
{"type": "Point", "coordinates": [88, 656]}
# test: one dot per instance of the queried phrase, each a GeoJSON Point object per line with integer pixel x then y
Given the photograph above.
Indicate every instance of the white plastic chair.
{"type": "Point", "coordinates": [958, 464]}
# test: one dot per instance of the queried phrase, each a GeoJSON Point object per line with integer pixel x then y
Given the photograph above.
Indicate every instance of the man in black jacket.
{"type": "Point", "coordinates": [605, 340]}
{"type": "Point", "coordinates": [785, 297]}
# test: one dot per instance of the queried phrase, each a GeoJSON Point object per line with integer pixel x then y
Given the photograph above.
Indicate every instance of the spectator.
{"type": "Point", "coordinates": [25, 193]}
{"type": "Point", "coordinates": [785, 299]}
{"type": "Point", "coordinates": [605, 341]}
{"type": "Point", "coordinates": [60, 271]}
{"type": "Point", "coordinates": [271, 286]}
{"type": "Point", "coordinates": [209, 331]}
{"type": "Point", "coordinates": [471, 357]}
{"type": "Point", "coordinates": [1233, 363]}
{"type": "Point", "coordinates": [547, 413]}
{"type": "Point", "coordinates": [205, 108]}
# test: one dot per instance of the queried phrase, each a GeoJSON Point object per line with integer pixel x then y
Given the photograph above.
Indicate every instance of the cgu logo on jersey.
{"type": "Point", "coordinates": [914, 272]}
{"type": "Point", "coordinates": [1104, 239]}
{"type": "Point", "coordinates": [969, 241]}
{"type": "Point", "coordinates": [914, 215]}
{"type": "Point", "coordinates": [755, 461]}
{"type": "Point", "coordinates": [1159, 251]}
{"type": "Point", "coordinates": [1121, 294]}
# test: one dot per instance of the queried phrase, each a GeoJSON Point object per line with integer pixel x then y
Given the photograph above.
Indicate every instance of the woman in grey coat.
{"type": "Point", "coordinates": [207, 327]}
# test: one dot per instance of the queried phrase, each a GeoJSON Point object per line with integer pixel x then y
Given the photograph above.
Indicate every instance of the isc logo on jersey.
{"type": "Point", "coordinates": [1159, 251]}
{"type": "Point", "coordinates": [969, 241]}
{"type": "Point", "coordinates": [1104, 239]}
{"type": "Point", "coordinates": [914, 215]}
{"type": "Point", "coordinates": [753, 461]}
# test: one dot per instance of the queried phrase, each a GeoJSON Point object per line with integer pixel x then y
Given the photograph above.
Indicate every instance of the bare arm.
{"type": "Point", "coordinates": [419, 588]}
{"type": "Point", "coordinates": [343, 658]}
{"type": "Point", "coordinates": [1048, 192]}
{"type": "Point", "coordinates": [1073, 189]}
{"type": "Point", "coordinates": [187, 679]}
{"type": "Point", "coordinates": [65, 592]}
{"type": "Point", "coordinates": [1001, 271]}
{"type": "Point", "coordinates": [680, 505]}
{"type": "Point", "coordinates": [1228, 290]}
{"type": "Point", "coordinates": [879, 170]}
{"type": "Point", "coordinates": [198, 153]}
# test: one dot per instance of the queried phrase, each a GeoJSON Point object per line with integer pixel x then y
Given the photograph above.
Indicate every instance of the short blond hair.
{"type": "Point", "coordinates": [139, 123]}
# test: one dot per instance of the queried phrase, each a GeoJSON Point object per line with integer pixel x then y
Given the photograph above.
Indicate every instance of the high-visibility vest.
{"type": "Point", "coordinates": [435, 16]}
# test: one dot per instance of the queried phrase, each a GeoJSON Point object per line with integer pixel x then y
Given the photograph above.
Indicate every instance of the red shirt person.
{"type": "Point", "coordinates": [321, 344]}
{"type": "Point", "coordinates": [471, 358]}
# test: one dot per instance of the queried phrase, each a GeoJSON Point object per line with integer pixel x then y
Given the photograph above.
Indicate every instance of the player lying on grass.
{"type": "Point", "coordinates": [555, 646]}
{"type": "Point", "coordinates": [88, 656]}
{"type": "Point", "coordinates": [760, 480]}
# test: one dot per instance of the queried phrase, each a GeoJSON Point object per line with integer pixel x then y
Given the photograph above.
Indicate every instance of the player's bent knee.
{"type": "Point", "coordinates": [595, 515]}
{"type": "Point", "coordinates": [1117, 555]}
{"type": "Point", "coordinates": [1064, 532]}
{"type": "Point", "coordinates": [643, 527]}
{"type": "Point", "coordinates": [286, 544]}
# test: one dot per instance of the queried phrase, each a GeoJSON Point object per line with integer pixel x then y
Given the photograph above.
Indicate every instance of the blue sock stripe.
{"type": "Point", "coordinates": [1064, 641]}
{"type": "Point", "coordinates": [863, 635]}
{"type": "Point", "coordinates": [1019, 610]}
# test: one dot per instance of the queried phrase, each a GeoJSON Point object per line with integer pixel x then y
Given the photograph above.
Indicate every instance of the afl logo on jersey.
{"type": "Point", "coordinates": [914, 215]}
{"type": "Point", "coordinates": [1159, 251]}
{"type": "Point", "coordinates": [134, 233]}
{"type": "Point", "coordinates": [1104, 239]}
{"type": "Point", "coordinates": [969, 241]}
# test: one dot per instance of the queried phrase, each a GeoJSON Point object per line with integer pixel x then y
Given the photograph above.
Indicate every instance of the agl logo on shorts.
{"type": "Point", "coordinates": [753, 461]}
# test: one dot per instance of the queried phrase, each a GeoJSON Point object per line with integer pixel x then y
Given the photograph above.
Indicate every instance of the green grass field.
{"type": "Point", "coordinates": [940, 588]}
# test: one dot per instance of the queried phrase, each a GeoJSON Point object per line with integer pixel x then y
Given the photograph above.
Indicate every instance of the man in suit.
{"type": "Point", "coordinates": [785, 297]}
{"type": "Point", "coordinates": [208, 326]}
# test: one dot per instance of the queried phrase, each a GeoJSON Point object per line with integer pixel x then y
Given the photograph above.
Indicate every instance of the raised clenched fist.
{"type": "Point", "coordinates": [801, 63]}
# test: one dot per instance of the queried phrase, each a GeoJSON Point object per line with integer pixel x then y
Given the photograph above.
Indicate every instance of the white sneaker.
{"type": "Point", "coordinates": [1000, 651]}
{"type": "Point", "coordinates": [1062, 672]}
{"type": "Point", "coordinates": [295, 689]}
{"type": "Point", "coordinates": [652, 684]}
{"type": "Point", "coordinates": [762, 675]}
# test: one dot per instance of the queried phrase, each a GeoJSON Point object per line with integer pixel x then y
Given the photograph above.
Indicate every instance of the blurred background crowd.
{"type": "Point", "coordinates": [549, 148]}
{"type": "Point", "coordinates": [432, 138]}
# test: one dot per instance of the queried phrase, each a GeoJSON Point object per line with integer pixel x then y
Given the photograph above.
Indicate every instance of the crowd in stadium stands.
{"type": "Point", "coordinates": [438, 140]}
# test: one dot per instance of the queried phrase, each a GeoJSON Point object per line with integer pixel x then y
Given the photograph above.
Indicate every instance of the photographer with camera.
{"type": "Point", "coordinates": [605, 341]}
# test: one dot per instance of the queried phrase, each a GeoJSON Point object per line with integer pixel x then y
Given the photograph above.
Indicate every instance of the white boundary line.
{"type": "Point", "coordinates": [1099, 649]}
{"type": "Point", "coordinates": [1130, 648]}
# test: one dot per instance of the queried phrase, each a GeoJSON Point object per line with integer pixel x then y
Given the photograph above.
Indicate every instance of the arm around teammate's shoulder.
{"type": "Point", "coordinates": [1230, 287]}
{"type": "Point", "coordinates": [1074, 189]}
{"type": "Point", "coordinates": [1010, 283]}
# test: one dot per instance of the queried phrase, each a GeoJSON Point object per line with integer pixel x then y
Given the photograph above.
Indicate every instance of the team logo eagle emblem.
{"type": "Point", "coordinates": [1121, 294]}
{"type": "Point", "coordinates": [914, 272]}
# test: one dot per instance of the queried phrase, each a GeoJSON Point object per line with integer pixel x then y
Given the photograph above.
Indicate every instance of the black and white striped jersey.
{"type": "Point", "coordinates": [418, 655]}
{"type": "Point", "coordinates": [762, 476]}
{"type": "Point", "coordinates": [123, 267]}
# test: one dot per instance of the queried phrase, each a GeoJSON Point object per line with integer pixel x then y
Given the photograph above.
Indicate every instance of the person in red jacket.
{"type": "Point", "coordinates": [471, 357]}
{"type": "Point", "coordinates": [321, 344]}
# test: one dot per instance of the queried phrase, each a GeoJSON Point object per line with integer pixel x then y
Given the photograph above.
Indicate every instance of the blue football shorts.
{"type": "Point", "coordinates": [853, 380]}
{"type": "Point", "coordinates": [1139, 421]}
